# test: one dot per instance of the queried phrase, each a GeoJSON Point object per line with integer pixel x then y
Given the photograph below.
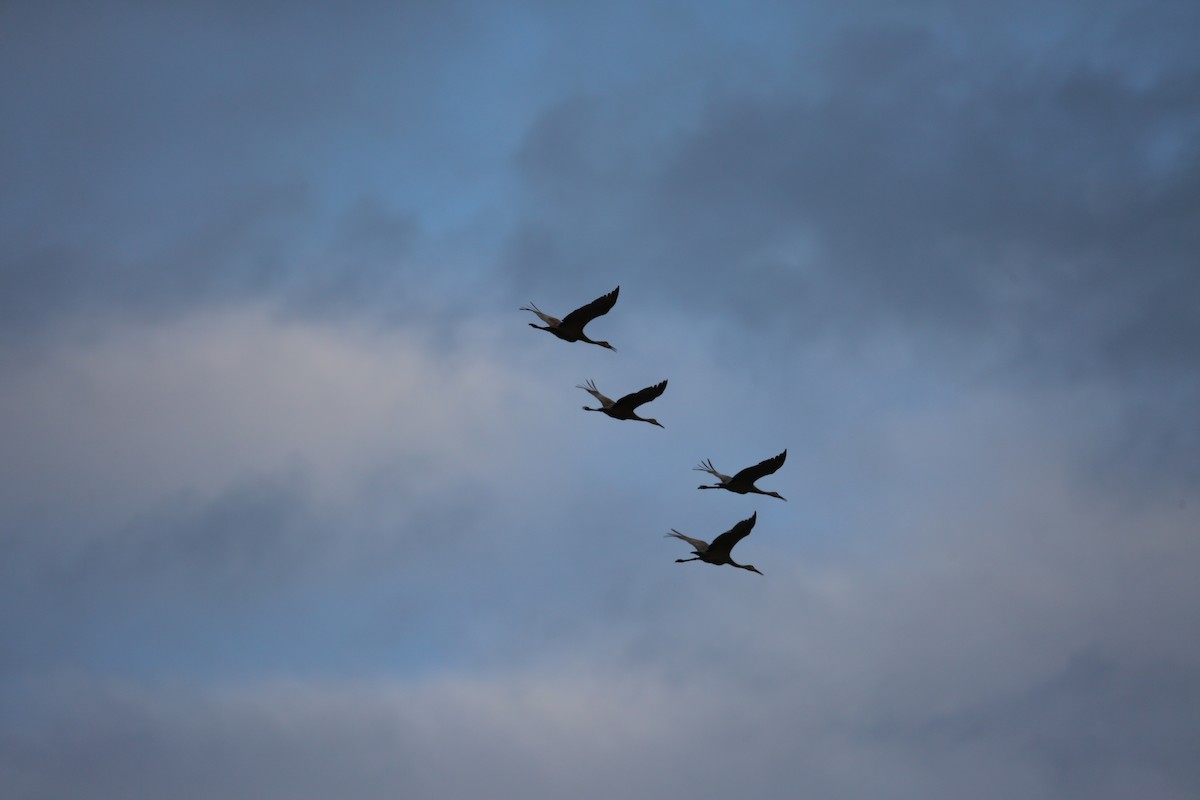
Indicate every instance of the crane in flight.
{"type": "Point", "coordinates": [718, 552]}
{"type": "Point", "coordinates": [626, 407]}
{"type": "Point", "coordinates": [743, 482]}
{"type": "Point", "coordinates": [570, 327]}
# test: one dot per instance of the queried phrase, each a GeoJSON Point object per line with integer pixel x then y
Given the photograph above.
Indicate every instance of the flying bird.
{"type": "Point", "coordinates": [570, 327]}
{"type": "Point", "coordinates": [718, 552]}
{"type": "Point", "coordinates": [743, 482]}
{"type": "Point", "coordinates": [625, 408]}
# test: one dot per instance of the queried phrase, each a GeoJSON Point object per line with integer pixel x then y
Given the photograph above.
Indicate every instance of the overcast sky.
{"type": "Point", "coordinates": [293, 504]}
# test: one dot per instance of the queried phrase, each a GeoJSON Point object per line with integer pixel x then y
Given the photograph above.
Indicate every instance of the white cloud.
{"type": "Point", "coordinates": [199, 404]}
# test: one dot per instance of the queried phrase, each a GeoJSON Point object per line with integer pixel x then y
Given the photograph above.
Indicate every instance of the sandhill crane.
{"type": "Point", "coordinates": [570, 327]}
{"type": "Point", "coordinates": [743, 482]}
{"type": "Point", "coordinates": [625, 407]}
{"type": "Point", "coordinates": [718, 552]}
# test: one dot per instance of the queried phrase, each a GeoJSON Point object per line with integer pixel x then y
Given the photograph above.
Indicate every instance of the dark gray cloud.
{"type": "Point", "coordinates": [1094, 728]}
{"type": "Point", "coordinates": [1021, 209]}
{"type": "Point", "coordinates": [1098, 727]}
{"type": "Point", "coordinates": [919, 186]}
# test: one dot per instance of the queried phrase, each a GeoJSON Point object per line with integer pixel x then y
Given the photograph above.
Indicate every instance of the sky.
{"type": "Point", "coordinates": [293, 504]}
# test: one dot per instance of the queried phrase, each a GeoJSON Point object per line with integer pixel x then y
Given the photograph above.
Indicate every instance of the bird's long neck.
{"type": "Point", "coordinates": [747, 567]}
{"type": "Point", "coordinates": [583, 338]}
{"type": "Point", "coordinates": [756, 490]}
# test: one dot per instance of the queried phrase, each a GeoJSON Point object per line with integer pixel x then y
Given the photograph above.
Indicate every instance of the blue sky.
{"type": "Point", "coordinates": [294, 504]}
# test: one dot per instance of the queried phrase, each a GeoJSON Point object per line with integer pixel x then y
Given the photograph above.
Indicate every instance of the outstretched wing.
{"type": "Point", "coordinates": [699, 545]}
{"type": "Point", "coordinates": [631, 401]}
{"type": "Point", "coordinates": [597, 308]}
{"type": "Point", "coordinates": [725, 542]}
{"type": "Point", "coordinates": [751, 474]}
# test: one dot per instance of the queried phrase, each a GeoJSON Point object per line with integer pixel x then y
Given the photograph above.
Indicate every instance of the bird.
{"type": "Point", "coordinates": [718, 552]}
{"type": "Point", "coordinates": [625, 408]}
{"type": "Point", "coordinates": [570, 327]}
{"type": "Point", "coordinates": [743, 482]}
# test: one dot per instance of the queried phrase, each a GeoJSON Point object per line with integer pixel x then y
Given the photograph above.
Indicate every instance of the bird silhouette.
{"type": "Point", "coordinates": [743, 482]}
{"type": "Point", "coordinates": [718, 552]}
{"type": "Point", "coordinates": [570, 327]}
{"type": "Point", "coordinates": [625, 408]}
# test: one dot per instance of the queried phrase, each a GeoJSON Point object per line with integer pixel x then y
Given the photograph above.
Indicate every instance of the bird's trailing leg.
{"type": "Point", "coordinates": [553, 322]}
{"type": "Point", "coordinates": [707, 466]}
{"type": "Point", "coordinates": [589, 386]}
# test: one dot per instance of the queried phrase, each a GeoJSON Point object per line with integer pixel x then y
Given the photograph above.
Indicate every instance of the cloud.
{"type": "Point", "coordinates": [241, 458]}
{"type": "Point", "coordinates": [201, 401]}
{"type": "Point", "coordinates": [293, 503]}
{"type": "Point", "coordinates": [1092, 725]}
{"type": "Point", "coordinates": [896, 182]}
{"type": "Point", "coordinates": [947, 619]}
{"type": "Point", "coordinates": [201, 155]}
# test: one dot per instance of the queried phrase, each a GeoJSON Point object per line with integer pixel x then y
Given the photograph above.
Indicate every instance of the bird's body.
{"type": "Point", "coordinates": [626, 407]}
{"type": "Point", "coordinates": [743, 482]}
{"type": "Point", "coordinates": [570, 327]}
{"type": "Point", "coordinates": [718, 552]}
